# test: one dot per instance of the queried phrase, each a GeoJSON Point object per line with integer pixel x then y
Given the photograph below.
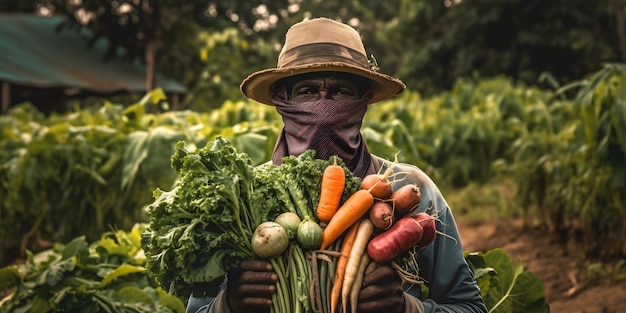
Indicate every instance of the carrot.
{"type": "Point", "coordinates": [348, 213]}
{"type": "Point", "coordinates": [402, 236]}
{"type": "Point", "coordinates": [340, 268]}
{"type": "Point", "coordinates": [356, 287]}
{"type": "Point", "coordinates": [332, 185]}
{"type": "Point", "coordinates": [366, 228]}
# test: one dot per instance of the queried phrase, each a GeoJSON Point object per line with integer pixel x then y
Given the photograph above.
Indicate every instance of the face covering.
{"type": "Point", "coordinates": [330, 127]}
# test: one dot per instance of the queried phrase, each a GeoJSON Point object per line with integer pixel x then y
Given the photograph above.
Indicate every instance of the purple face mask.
{"type": "Point", "coordinates": [328, 126]}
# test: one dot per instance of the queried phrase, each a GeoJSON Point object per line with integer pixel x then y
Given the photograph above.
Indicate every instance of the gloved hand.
{"type": "Point", "coordinates": [250, 287]}
{"type": "Point", "coordinates": [381, 290]}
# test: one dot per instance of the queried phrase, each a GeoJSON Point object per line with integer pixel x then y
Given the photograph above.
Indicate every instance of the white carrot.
{"type": "Point", "coordinates": [358, 281]}
{"type": "Point", "coordinates": [366, 228]}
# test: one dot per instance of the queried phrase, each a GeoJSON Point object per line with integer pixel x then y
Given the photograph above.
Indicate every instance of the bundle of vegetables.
{"type": "Point", "coordinates": [308, 217]}
{"type": "Point", "coordinates": [374, 224]}
{"type": "Point", "coordinates": [218, 209]}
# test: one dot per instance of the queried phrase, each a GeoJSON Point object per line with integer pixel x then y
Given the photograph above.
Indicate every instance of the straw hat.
{"type": "Point", "coordinates": [320, 45]}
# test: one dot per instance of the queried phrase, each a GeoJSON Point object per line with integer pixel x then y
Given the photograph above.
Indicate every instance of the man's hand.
{"type": "Point", "coordinates": [250, 287]}
{"type": "Point", "coordinates": [381, 290]}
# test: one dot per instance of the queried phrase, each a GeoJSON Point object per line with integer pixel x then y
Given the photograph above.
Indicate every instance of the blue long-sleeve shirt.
{"type": "Point", "coordinates": [451, 286]}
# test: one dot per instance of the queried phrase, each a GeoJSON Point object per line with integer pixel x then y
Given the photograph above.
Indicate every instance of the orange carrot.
{"type": "Point", "coordinates": [333, 183]}
{"type": "Point", "coordinates": [350, 211]}
{"type": "Point", "coordinates": [340, 269]}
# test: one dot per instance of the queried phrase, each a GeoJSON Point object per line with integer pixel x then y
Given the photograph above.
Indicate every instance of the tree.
{"type": "Point", "coordinates": [517, 38]}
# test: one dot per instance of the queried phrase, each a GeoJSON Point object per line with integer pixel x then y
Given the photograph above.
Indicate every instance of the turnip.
{"type": "Point", "coordinates": [381, 215]}
{"type": "Point", "coordinates": [289, 221]}
{"type": "Point", "coordinates": [406, 199]}
{"type": "Point", "coordinates": [269, 240]}
{"type": "Point", "coordinates": [402, 236]}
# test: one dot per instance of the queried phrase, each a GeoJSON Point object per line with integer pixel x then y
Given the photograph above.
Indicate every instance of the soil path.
{"type": "Point", "coordinates": [560, 271]}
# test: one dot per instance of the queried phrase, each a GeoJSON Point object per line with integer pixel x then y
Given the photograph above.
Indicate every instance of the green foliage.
{"type": "Point", "coordinates": [101, 164]}
{"type": "Point", "coordinates": [104, 276]}
{"type": "Point", "coordinates": [569, 163]}
{"type": "Point", "coordinates": [428, 44]}
{"type": "Point", "coordinates": [223, 57]}
{"type": "Point", "coordinates": [477, 119]}
{"type": "Point", "coordinates": [203, 227]}
{"type": "Point", "coordinates": [519, 39]}
{"type": "Point", "coordinates": [506, 286]}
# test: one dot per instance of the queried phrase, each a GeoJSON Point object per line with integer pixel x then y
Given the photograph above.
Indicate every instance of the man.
{"type": "Point", "coordinates": [322, 87]}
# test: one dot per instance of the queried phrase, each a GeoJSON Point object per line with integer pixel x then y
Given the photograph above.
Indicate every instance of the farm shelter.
{"type": "Point", "coordinates": [47, 67]}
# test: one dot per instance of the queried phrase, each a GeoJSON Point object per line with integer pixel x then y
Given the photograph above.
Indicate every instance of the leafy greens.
{"type": "Point", "coordinates": [202, 228]}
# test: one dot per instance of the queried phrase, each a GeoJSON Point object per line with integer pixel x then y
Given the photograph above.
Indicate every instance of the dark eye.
{"type": "Point", "coordinates": [303, 91]}
{"type": "Point", "coordinates": [346, 91]}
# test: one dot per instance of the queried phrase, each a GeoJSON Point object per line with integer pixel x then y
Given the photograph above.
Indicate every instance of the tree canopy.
{"type": "Point", "coordinates": [211, 45]}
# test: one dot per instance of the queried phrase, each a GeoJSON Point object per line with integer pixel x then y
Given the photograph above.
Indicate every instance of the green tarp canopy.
{"type": "Point", "coordinates": [33, 53]}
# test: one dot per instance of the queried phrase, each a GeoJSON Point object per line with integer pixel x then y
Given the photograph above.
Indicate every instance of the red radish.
{"type": "Point", "coordinates": [406, 199]}
{"type": "Point", "coordinates": [378, 185]}
{"type": "Point", "coordinates": [402, 236]}
{"type": "Point", "coordinates": [381, 215]}
{"type": "Point", "coordinates": [428, 225]}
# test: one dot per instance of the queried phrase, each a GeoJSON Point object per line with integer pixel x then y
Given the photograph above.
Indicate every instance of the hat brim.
{"type": "Point", "coordinates": [259, 86]}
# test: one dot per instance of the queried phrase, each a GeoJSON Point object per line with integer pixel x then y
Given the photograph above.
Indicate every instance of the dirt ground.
{"type": "Point", "coordinates": [562, 274]}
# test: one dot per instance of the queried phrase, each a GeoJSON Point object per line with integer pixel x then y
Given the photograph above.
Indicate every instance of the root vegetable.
{"type": "Point", "coordinates": [332, 186]}
{"type": "Point", "coordinates": [378, 184]}
{"type": "Point", "coordinates": [428, 225]}
{"type": "Point", "coordinates": [290, 222]}
{"type": "Point", "coordinates": [402, 236]}
{"type": "Point", "coordinates": [356, 253]}
{"type": "Point", "coordinates": [406, 199]}
{"type": "Point", "coordinates": [269, 240]}
{"type": "Point", "coordinates": [381, 215]}
{"type": "Point", "coordinates": [340, 270]}
{"type": "Point", "coordinates": [349, 213]}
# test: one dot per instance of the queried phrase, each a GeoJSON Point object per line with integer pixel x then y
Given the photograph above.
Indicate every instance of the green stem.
{"type": "Point", "coordinates": [282, 288]}
{"type": "Point", "coordinates": [294, 286]}
{"type": "Point", "coordinates": [301, 267]}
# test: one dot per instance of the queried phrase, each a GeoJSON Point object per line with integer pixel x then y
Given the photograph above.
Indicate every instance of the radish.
{"type": "Point", "coordinates": [381, 215]}
{"type": "Point", "coordinates": [269, 240]}
{"type": "Point", "coordinates": [406, 199]}
{"type": "Point", "coordinates": [402, 236]}
{"type": "Point", "coordinates": [428, 225]}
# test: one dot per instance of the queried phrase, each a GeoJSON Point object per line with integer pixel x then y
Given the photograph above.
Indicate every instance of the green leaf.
{"type": "Point", "coordinates": [511, 289]}
{"type": "Point", "coordinates": [132, 294]}
{"type": "Point", "coordinates": [122, 270]}
{"type": "Point", "coordinates": [618, 118]}
{"type": "Point", "coordinates": [170, 301]}
{"type": "Point", "coordinates": [9, 277]}
{"type": "Point", "coordinates": [135, 153]}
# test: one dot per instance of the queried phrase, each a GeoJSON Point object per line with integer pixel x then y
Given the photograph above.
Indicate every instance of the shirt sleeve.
{"type": "Point", "coordinates": [208, 305]}
{"type": "Point", "coordinates": [442, 265]}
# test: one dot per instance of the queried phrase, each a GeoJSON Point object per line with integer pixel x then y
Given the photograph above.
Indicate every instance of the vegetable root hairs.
{"type": "Point", "coordinates": [409, 272]}
{"type": "Point", "coordinates": [435, 216]}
